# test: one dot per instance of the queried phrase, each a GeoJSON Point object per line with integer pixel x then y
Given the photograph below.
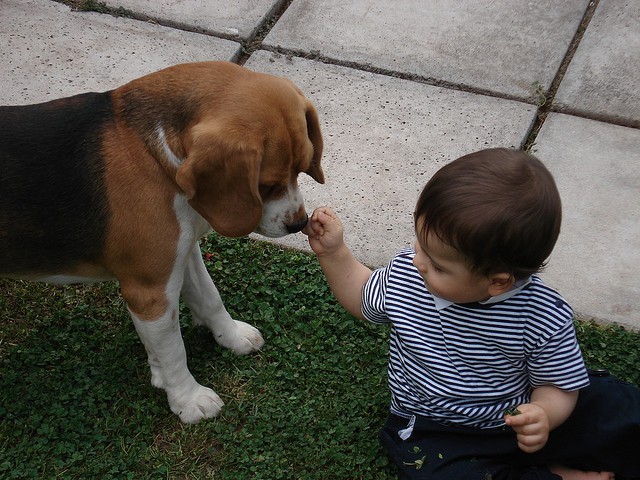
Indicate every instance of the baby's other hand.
{"type": "Point", "coordinates": [531, 424]}
{"type": "Point", "coordinates": [324, 231]}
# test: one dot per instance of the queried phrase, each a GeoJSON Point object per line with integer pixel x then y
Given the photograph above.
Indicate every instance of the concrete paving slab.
{"type": "Point", "coordinates": [239, 19]}
{"type": "Point", "coordinates": [602, 80]}
{"type": "Point", "coordinates": [50, 51]}
{"type": "Point", "coordinates": [384, 139]}
{"type": "Point", "coordinates": [384, 136]}
{"type": "Point", "coordinates": [596, 261]}
{"type": "Point", "coordinates": [502, 46]}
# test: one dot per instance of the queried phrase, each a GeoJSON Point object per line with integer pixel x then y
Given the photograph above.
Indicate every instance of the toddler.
{"type": "Point", "coordinates": [486, 376]}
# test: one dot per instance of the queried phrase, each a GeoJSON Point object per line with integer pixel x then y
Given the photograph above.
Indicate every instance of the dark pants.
{"type": "Point", "coordinates": [602, 434]}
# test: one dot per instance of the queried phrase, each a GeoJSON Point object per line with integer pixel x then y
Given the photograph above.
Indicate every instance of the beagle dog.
{"type": "Point", "coordinates": [122, 185]}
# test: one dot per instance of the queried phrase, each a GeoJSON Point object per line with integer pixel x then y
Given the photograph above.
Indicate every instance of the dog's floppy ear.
{"type": "Point", "coordinates": [313, 131]}
{"type": "Point", "coordinates": [220, 178]}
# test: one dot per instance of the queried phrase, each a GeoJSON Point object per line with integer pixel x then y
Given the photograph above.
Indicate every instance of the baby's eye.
{"type": "Point", "coordinates": [436, 268]}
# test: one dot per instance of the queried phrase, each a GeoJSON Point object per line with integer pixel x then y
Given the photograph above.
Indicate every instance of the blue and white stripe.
{"type": "Point", "coordinates": [466, 364]}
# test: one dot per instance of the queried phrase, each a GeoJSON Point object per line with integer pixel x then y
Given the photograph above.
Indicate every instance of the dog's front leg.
{"type": "Point", "coordinates": [168, 361]}
{"type": "Point", "coordinates": [203, 299]}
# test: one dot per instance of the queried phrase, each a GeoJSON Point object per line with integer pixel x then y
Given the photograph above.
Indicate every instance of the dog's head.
{"type": "Point", "coordinates": [245, 154]}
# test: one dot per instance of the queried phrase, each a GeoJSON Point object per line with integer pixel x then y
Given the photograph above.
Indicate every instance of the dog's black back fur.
{"type": "Point", "coordinates": [52, 194]}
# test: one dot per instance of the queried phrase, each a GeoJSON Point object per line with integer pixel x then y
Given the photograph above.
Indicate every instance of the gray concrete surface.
{"type": "Point", "coordinates": [597, 256]}
{"type": "Point", "coordinates": [602, 81]}
{"type": "Point", "coordinates": [237, 20]}
{"type": "Point", "coordinates": [48, 51]}
{"type": "Point", "coordinates": [502, 46]}
{"type": "Point", "coordinates": [402, 87]}
{"type": "Point", "coordinates": [384, 138]}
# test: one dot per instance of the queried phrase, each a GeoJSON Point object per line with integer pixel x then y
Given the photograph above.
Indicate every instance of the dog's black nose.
{"type": "Point", "coordinates": [296, 227]}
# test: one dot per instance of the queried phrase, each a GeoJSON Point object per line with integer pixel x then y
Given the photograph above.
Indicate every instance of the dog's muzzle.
{"type": "Point", "coordinates": [298, 226]}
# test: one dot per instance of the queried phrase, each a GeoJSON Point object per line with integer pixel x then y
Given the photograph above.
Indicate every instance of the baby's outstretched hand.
{"type": "Point", "coordinates": [531, 424]}
{"type": "Point", "coordinates": [324, 231]}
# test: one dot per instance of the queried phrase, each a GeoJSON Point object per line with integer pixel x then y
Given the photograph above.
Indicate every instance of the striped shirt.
{"type": "Point", "coordinates": [465, 364]}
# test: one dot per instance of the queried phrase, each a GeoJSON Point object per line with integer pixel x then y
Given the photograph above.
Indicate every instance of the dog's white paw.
{"type": "Point", "coordinates": [202, 403]}
{"type": "Point", "coordinates": [242, 339]}
{"type": "Point", "coordinates": [156, 375]}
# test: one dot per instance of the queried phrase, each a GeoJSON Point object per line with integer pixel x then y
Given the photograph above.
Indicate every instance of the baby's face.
{"type": "Point", "coordinates": [446, 273]}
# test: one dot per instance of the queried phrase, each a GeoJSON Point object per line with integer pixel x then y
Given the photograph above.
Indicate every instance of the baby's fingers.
{"type": "Point", "coordinates": [525, 414]}
{"type": "Point", "coordinates": [313, 228]}
{"type": "Point", "coordinates": [531, 443]}
{"type": "Point", "coordinates": [515, 418]}
{"type": "Point", "coordinates": [323, 215]}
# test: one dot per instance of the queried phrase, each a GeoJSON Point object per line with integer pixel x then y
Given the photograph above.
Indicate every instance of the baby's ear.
{"type": "Point", "coordinates": [500, 283]}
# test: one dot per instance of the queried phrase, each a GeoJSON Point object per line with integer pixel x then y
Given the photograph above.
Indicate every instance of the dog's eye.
{"type": "Point", "coordinates": [268, 191]}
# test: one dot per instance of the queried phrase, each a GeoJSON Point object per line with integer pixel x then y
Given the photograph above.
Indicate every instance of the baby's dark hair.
{"type": "Point", "coordinates": [500, 208]}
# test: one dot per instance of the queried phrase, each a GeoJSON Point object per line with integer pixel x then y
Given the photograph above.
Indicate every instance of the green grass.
{"type": "Point", "coordinates": [97, 6]}
{"type": "Point", "coordinates": [76, 401]}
